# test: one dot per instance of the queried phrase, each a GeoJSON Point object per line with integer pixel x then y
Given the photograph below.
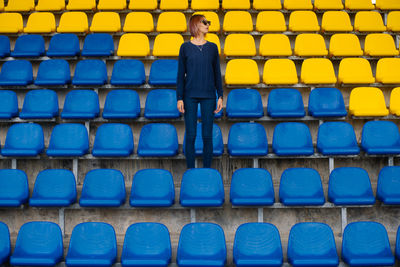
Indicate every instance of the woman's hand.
{"type": "Point", "coordinates": [180, 106]}
{"type": "Point", "coordinates": [219, 106]}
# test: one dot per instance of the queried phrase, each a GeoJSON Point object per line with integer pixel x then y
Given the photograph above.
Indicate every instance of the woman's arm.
{"type": "Point", "coordinates": [217, 74]}
{"type": "Point", "coordinates": [180, 79]}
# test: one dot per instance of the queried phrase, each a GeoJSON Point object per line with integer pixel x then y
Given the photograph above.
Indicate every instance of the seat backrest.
{"type": "Point", "coordinates": [345, 44]}
{"type": "Point", "coordinates": [387, 70]}
{"type": "Point", "coordinates": [171, 21]}
{"type": "Point", "coordinates": [53, 72]}
{"type": "Point", "coordinates": [41, 22]}
{"type": "Point", "coordinates": [275, 45]}
{"type": "Point", "coordinates": [139, 22]}
{"type": "Point", "coordinates": [163, 72]}
{"type": "Point", "coordinates": [328, 4]}
{"type": "Point", "coordinates": [158, 139]}
{"type": "Point", "coordinates": [393, 21]}
{"type": "Point", "coordinates": [310, 44]}
{"type": "Point", "coordinates": [81, 5]}
{"type": "Point", "coordinates": [8, 104]}
{"type": "Point", "coordinates": [161, 103]}
{"type": "Point", "coordinates": [368, 21]}
{"type": "Point", "coordinates": [247, 139]}
{"type": "Point", "coordinates": [174, 4]}
{"type": "Point", "coordinates": [121, 104]}
{"type": "Point", "coordinates": [4, 46]}
{"type": "Point", "coordinates": [237, 21]}
{"type": "Point", "coordinates": [388, 188]}
{"type": "Point", "coordinates": [380, 137]}
{"type": "Point", "coordinates": [280, 71]}
{"type": "Point", "coordinates": [387, 4]}
{"type": "Point", "coordinates": [16, 72]}
{"type": "Point", "coordinates": [63, 44]}
{"type": "Point", "coordinates": [242, 71]}
{"type": "Point", "coordinates": [355, 70]}
{"type": "Point", "coordinates": [337, 138]}
{"type": "Point", "coordinates": [213, 17]}
{"type": "Point", "coordinates": [111, 5]}
{"type": "Point", "coordinates": [367, 101]}
{"type": "Point", "coordinates": [68, 139]}
{"type": "Point", "coordinates": [358, 4]}
{"type": "Point", "coordinates": [297, 4]}
{"type": "Point", "coordinates": [292, 138]}
{"type": "Point", "coordinates": [75, 21]}
{"type": "Point", "coordinates": [113, 139]}
{"type": "Point", "coordinates": [143, 5]}
{"type": "Point", "coordinates": [336, 21]}
{"type": "Point", "coordinates": [31, 45]}
{"type": "Point", "coordinates": [50, 5]}
{"type": "Point", "coordinates": [317, 71]}
{"type": "Point", "coordinates": [14, 189]}
{"type": "Point", "coordinates": [41, 103]}
{"type": "Point", "coordinates": [204, 4]}
{"type": "Point", "coordinates": [239, 45]}
{"type": "Point", "coordinates": [303, 20]}
{"type": "Point", "coordinates": [134, 44]}
{"type": "Point", "coordinates": [24, 139]}
{"type": "Point", "coordinates": [218, 143]}
{"type": "Point", "coordinates": [98, 44]}
{"type": "Point", "coordinates": [20, 5]}
{"type": "Point", "coordinates": [270, 21]}
{"type": "Point", "coordinates": [81, 104]}
{"type": "Point", "coordinates": [235, 4]}
{"type": "Point", "coordinates": [90, 72]}
{"type": "Point", "coordinates": [244, 103]}
{"type": "Point", "coordinates": [267, 5]}
{"type": "Point", "coordinates": [285, 102]}
{"type": "Point", "coordinates": [11, 23]}
{"type": "Point", "coordinates": [380, 44]}
{"type": "Point", "coordinates": [106, 21]}
{"type": "Point", "coordinates": [128, 72]}
{"type": "Point", "coordinates": [167, 44]}
{"type": "Point", "coordinates": [395, 101]}
{"type": "Point", "coordinates": [326, 102]}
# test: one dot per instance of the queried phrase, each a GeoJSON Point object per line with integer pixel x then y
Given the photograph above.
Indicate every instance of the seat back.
{"type": "Point", "coordinates": [247, 139]}
{"type": "Point", "coordinates": [24, 139]}
{"type": "Point", "coordinates": [106, 21]}
{"type": "Point", "coordinates": [355, 70]}
{"type": "Point", "coordinates": [81, 104]}
{"type": "Point", "coordinates": [121, 104]}
{"type": "Point", "coordinates": [50, 5]}
{"type": "Point", "coordinates": [8, 104]}
{"type": "Point", "coordinates": [218, 144]}
{"type": "Point", "coordinates": [240, 45]}
{"type": "Point", "coordinates": [393, 22]}
{"type": "Point", "coordinates": [41, 22]}
{"type": "Point", "coordinates": [326, 102]}
{"type": "Point", "coordinates": [40, 104]}
{"type": "Point", "coordinates": [98, 44]}
{"type": "Point", "coordinates": [161, 103]}
{"type": "Point", "coordinates": [11, 23]}
{"type": "Point", "coordinates": [204, 5]}
{"type": "Point", "coordinates": [380, 137]}
{"type": "Point", "coordinates": [380, 44]}
{"type": "Point", "coordinates": [171, 21]}
{"type": "Point", "coordinates": [292, 138]}
{"type": "Point", "coordinates": [158, 140]}
{"type": "Point", "coordinates": [75, 22]}
{"type": "Point", "coordinates": [53, 72]}
{"type": "Point", "coordinates": [303, 21]}
{"type": "Point", "coordinates": [20, 5]}
{"type": "Point", "coordinates": [242, 71]}
{"type": "Point", "coordinates": [317, 71]}
{"type": "Point", "coordinates": [368, 21]}
{"type": "Point", "coordinates": [14, 189]}
{"type": "Point", "coordinates": [345, 44]}
{"type": "Point", "coordinates": [336, 21]}
{"type": "Point", "coordinates": [163, 72]}
{"type": "Point", "coordinates": [237, 21]}
{"type": "Point", "coordinates": [143, 5]}
{"type": "Point", "coordinates": [297, 4]}
{"type": "Point", "coordinates": [275, 45]}
{"type": "Point", "coordinates": [388, 187]}
{"type": "Point", "coordinates": [68, 139]}
{"type": "Point", "coordinates": [113, 139]}
{"type": "Point", "coordinates": [4, 46]}
{"type": "Point", "coordinates": [267, 5]}
{"type": "Point", "coordinates": [310, 44]}
{"type": "Point", "coordinates": [111, 5]}
{"type": "Point", "coordinates": [174, 4]}
{"type": "Point", "coordinates": [395, 101]}
{"type": "Point", "coordinates": [328, 4]}
{"type": "Point", "coordinates": [358, 5]}
{"type": "Point", "coordinates": [386, 70]}
{"type": "Point", "coordinates": [214, 18]}
{"type": "Point", "coordinates": [270, 21]}
{"type": "Point", "coordinates": [63, 45]}
{"type": "Point", "coordinates": [139, 22]}
{"type": "Point", "coordinates": [134, 44]}
{"type": "Point", "coordinates": [31, 45]}
{"type": "Point", "coordinates": [81, 5]}
{"type": "Point", "coordinates": [244, 103]}
{"type": "Point", "coordinates": [90, 72]}
{"type": "Point", "coordinates": [367, 101]}
{"type": "Point", "coordinates": [285, 102]}
{"type": "Point", "coordinates": [280, 71]}
{"type": "Point", "coordinates": [167, 44]}
{"type": "Point", "coordinates": [128, 72]}
{"type": "Point", "coordinates": [16, 72]}
{"type": "Point", "coordinates": [337, 138]}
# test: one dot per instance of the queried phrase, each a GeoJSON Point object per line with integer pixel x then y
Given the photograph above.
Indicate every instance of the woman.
{"type": "Point", "coordinates": [199, 81]}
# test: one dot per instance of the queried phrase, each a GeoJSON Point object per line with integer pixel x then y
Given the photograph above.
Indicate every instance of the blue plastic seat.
{"type": "Point", "coordinates": [380, 137]}
{"type": "Point", "coordinates": [218, 143]}
{"type": "Point", "coordinates": [122, 104]}
{"type": "Point", "coordinates": [4, 46]}
{"type": "Point", "coordinates": [397, 249]}
{"type": "Point", "coordinates": [90, 72]}
{"type": "Point", "coordinates": [38, 244]}
{"type": "Point", "coordinates": [257, 244]}
{"type": "Point", "coordinates": [81, 104]}
{"type": "Point", "coordinates": [40, 104]}
{"type": "Point", "coordinates": [337, 138]}
{"type": "Point", "coordinates": [160, 104]}
{"type": "Point", "coordinates": [98, 45]}
{"type": "Point", "coordinates": [8, 104]}
{"type": "Point", "coordinates": [23, 139]}
{"type": "Point", "coordinates": [146, 244]}
{"type": "Point", "coordinates": [68, 140]}
{"type": "Point", "coordinates": [301, 187]}
{"type": "Point", "coordinates": [63, 45]}
{"type": "Point", "coordinates": [92, 244]}
{"type": "Point", "coordinates": [54, 188]}
{"type": "Point", "coordinates": [244, 103]}
{"type": "Point", "coordinates": [326, 102]}
{"type": "Point", "coordinates": [14, 189]}
{"type": "Point", "coordinates": [163, 72]}
{"type": "Point", "coordinates": [285, 103]}
{"type": "Point", "coordinates": [5, 248]}
{"type": "Point", "coordinates": [152, 188]}
{"type": "Point", "coordinates": [158, 140]}
{"type": "Point", "coordinates": [350, 186]}
{"type": "Point", "coordinates": [16, 72]}
{"type": "Point", "coordinates": [201, 244]}
{"type": "Point", "coordinates": [103, 188]}
{"type": "Point", "coordinates": [388, 188]}
{"type": "Point", "coordinates": [247, 139]}
{"type": "Point", "coordinates": [202, 187]}
{"type": "Point", "coordinates": [292, 138]}
{"type": "Point", "coordinates": [30, 45]}
{"type": "Point", "coordinates": [252, 187]}
{"type": "Point", "coordinates": [53, 72]}
{"type": "Point", "coordinates": [312, 244]}
{"type": "Point", "coordinates": [128, 72]}
{"type": "Point", "coordinates": [366, 244]}
{"type": "Point", "coordinates": [113, 140]}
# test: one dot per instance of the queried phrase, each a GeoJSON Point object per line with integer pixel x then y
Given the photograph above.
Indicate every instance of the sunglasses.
{"type": "Point", "coordinates": [206, 22]}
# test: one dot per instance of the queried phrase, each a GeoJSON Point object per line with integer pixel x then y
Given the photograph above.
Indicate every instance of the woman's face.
{"type": "Point", "coordinates": [203, 25]}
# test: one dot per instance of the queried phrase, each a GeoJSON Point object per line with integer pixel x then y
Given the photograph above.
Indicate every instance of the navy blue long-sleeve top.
{"type": "Point", "coordinates": [199, 73]}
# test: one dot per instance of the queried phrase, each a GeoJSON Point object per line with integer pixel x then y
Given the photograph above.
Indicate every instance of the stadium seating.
{"type": "Point", "coordinates": [380, 137]}
{"type": "Point", "coordinates": [267, 5]}
{"type": "Point", "coordinates": [337, 138]}
{"type": "Point", "coordinates": [355, 71]}
{"type": "Point", "coordinates": [4, 46]}
{"type": "Point", "coordinates": [235, 4]}
{"type": "Point", "coordinates": [128, 72]}
{"type": "Point", "coordinates": [152, 188]}
{"type": "Point", "coordinates": [113, 140]}
{"type": "Point", "coordinates": [14, 190]}
{"type": "Point", "coordinates": [366, 243]}
{"type": "Point", "coordinates": [161, 104]}
{"type": "Point", "coordinates": [241, 71]}
{"type": "Point", "coordinates": [247, 139]}
{"type": "Point", "coordinates": [143, 5]}
{"type": "Point", "coordinates": [103, 188]}
{"type": "Point", "coordinates": [380, 44]}
{"type": "Point", "coordinates": [73, 22]}
{"type": "Point", "coordinates": [174, 4]}
{"type": "Point", "coordinates": [5, 250]}
{"type": "Point", "coordinates": [252, 187]}
{"type": "Point", "coordinates": [218, 144]}
{"type": "Point", "coordinates": [54, 188]}
{"type": "Point", "coordinates": [387, 70]}
{"type": "Point", "coordinates": [98, 45]}
{"type": "Point", "coordinates": [63, 45]}
{"type": "Point", "coordinates": [158, 140]}
{"type": "Point", "coordinates": [90, 72]}
{"type": "Point", "coordinates": [280, 71]}
{"type": "Point", "coordinates": [81, 5]}
{"type": "Point", "coordinates": [68, 140]}
{"type": "Point", "coordinates": [81, 104]}
{"type": "Point", "coordinates": [111, 5]}
{"type": "Point", "coordinates": [92, 244]}
{"type": "Point", "coordinates": [367, 101]}
{"type": "Point", "coordinates": [345, 45]}
{"type": "Point", "coordinates": [11, 23]}
{"type": "Point", "coordinates": [23, 140]}
{"type": "Point", "coordinates": [358, 5]}
{"type": "Point", "coordinates": [285, 102]}
{"type": "Point", "coordinates": [163, 72]}
{"type": "Point", "coordinates": [171, 21]}
{"type": "Point", "coordinates": [41, 22]}
{"type": "Point", "coordinates": [292, 138]}
{"type": "Point", "coordinates": [239, 45]}
{"type": "Point", "coordinates": [328, 4]}
{"type": "Point", "coordinates": [395, 101]}
{"type": "Point", "coordinates": [121, 104]}
{"type": "Point", "coordinates": [303, 21]}
{"type": "Point", "coordinates": [167, 45]}
{"type": "Point", "coordinates": [244, 103]}
{"type": "Point", "coordinates": [204, 4]}
{"type": "Point", "coordinates": [38, 244]}
{"type": "Point", "coordinates": [257, 244]}
{"type": "Point", "coordinates": [40, 104]}
{"type": "Point", "coordinates": [16, 72]}
{"type": "Point", "coordinates": [213, 17]}
{"type": "Point", "coordinates": [336, 21]}
{"type": "Point", "coordinates": [270, 21]}
{"type": "Point", "coordinates": [388, 187]}
{"type": "Point", "coordinates": [138, 22]}
{"type": "Point", "coordinates": [300, 187]}
{"type": "Point", "coordinates": [53, 72]}
{"type": "Point", "coordinates": [19, 6]}
{"type": "Point", "coordinates": [146, 244]}
{"type": "Point", "coordinates": [237, 21]}
{"type": "Point", "coordinates": [201, 244]}
{"type": "Point", "coordinates": [31, 45]}
{"type": "Point", "coordinates": [317, 71]}
{"type": "Point", "coordinates": [310, 44]}
{"type": "Point", "coordinates": [275, 45]}
{"type": "Point", "coordinates": [8, 104]}
{"type": "Point", "coordinates": [387, 4]}
{"type": "Point", "coordinates": [50, 5]}
{"type": "Point", "coordinates": [393, 22]}
{"type": "Point", "coordinates": [369, 21]}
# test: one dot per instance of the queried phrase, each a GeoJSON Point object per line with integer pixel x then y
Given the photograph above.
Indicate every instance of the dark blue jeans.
{"type": "Point", "coordinates": [207, 107]}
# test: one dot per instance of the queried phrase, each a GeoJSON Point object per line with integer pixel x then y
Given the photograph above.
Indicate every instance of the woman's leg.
{"type": "Point", "coordinates": [190, 105]}
{"type": "Point", "coordinates": [207, 107]}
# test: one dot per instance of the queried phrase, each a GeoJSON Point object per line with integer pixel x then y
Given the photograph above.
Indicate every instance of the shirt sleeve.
{"type": "Point", "coordinates": [180, 80]}
{"type": "Point", "coordinates": [217, 74]}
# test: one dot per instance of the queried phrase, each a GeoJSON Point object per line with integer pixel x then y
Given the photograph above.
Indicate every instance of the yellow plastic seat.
{"type": "Point", "coordinates": [303, 21]}
{"type": "Point", "coordinates": [310, 44]}
{"type": "Point", "coordinates": [369, 21]}
{"type": "Point", "coordinates": [237, 21]}
{"type": "Point", "coordinates": [345, 45]}
{"type": "Point", "coordinates": [267, 5]}
{"type": "Point", "coordinates": [11, 23]}
{"type": "Point", "coordinates": [133, 44]}
{"type": "Point", "coordinates": [393, 21]}
{"type": "Point", "coordinates": [204, 4]}
{"type": "Point", "coordinates": [171, 22]}
{"type": "Point", "coordinates": [297, 4]}
{"type": "Point", "coordinates": [75, 21]}
{"type": "Point", "coordinates": [174, 4]}
{"type": "Point", "coordinates": [167, 45]}
{"type": "Point", "coordinates": [111, 5]}
{"type": "Point", "coordinates": [240, 44]}
{"type": "Point", "coordinates": [81, 5]}
{"type": "Point", "coordinates": [143, 4]}
{"type": "Point", "coordinates": [1, 5]}
{"type": "Point", "coordinates": [336, 21]}
{"type": "Point", "coordinates": [387, 70]}
{"type": "Point", "coordinates": [387, 4]}
{"type": "Point", "coordinates": [139, 22]}
{"type": "Point", "coordinates": [355, 70]}
{"type": "Point", "coordinates": [106, 22]}
{"type": "Point", "coordinates": [213, 17]}
{"type": "Point", "coordinates": [280, 71]}
{"type": "Point", "coordinates": [20, 5]}
{"type": "Point", "coordinates": [213, 38]}
{"type": "Point", "coordinates": [317, 71]}
{"type": "Point", "coordinates": [367, 101]}
{"type": "Point", "coordinates": [380, 44]}
{"type": "Point", "coordinates": [41, 22]}
{"type": "Point", "coordinates": [328, 4]}
{"type": "Point", "coordinates": [359, 4]}
{"type": "Point", "coordinates": [242, 71]}
{"type": "Point", "coordinates": [50, 5]}
{"type": "Point", "coordinates": [235, 4]}
{"type": "Point", "coordinates": [270, 21]}
{"type": "Point", "coordinates": [394, 107]}
{"type": "Point", "coordinates": [275, 44]}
